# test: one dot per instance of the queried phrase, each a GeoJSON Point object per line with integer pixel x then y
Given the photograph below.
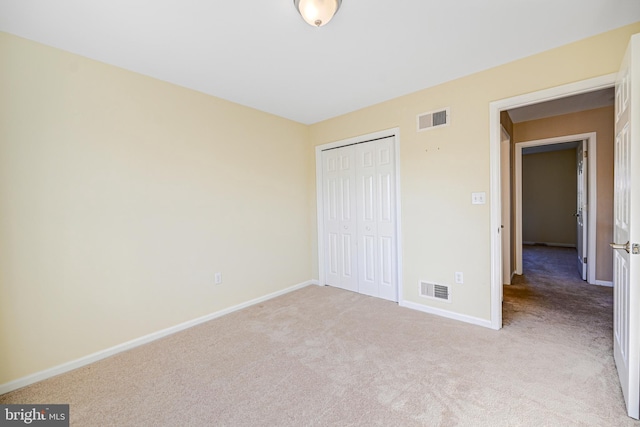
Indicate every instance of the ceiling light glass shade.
{"type": "Point", "coordinates": [317, 12]}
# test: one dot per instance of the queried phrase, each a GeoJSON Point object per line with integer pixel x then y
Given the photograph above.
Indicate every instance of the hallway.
{"type": "Point", "coordinates": [551, 290]}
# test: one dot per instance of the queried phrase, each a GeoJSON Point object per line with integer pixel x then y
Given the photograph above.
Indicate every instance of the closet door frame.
{"type": "Point", "coordinates": [395, 133]}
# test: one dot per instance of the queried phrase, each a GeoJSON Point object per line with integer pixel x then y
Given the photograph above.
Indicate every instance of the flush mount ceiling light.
{"type": "Point", "coordinates": [317, 12]}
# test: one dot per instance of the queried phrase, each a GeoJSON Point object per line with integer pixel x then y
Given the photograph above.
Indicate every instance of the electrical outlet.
{"type": "Point", "coordinates": [459, 277]}
{"type": "Point", "coordinates": [218, 278]}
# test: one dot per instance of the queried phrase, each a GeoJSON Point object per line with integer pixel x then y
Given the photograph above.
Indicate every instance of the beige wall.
{"type": "Point", "coordinates": [507, 124]}
{"type": "Point", "coordinates": [599, 120]}
{"type": "Point", "coordinates": [121, 196]}
{"type": "Point", "coordinates": [549, 191]}
{"type": "Point", "coordinates": [442, 231]}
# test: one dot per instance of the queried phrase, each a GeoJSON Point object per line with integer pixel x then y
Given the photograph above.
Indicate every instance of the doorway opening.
{"type": "Point", "coordinates": [495, 110]}
{"type": "Point", "coordinates": [582, 203]}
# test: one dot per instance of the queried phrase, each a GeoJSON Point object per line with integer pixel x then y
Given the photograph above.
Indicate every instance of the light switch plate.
{"type": "Point", "coordinates": [478, 198]}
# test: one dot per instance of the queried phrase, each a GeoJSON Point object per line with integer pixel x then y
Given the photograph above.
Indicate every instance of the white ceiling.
{"type": "Point", "coordinates": [260, 53]}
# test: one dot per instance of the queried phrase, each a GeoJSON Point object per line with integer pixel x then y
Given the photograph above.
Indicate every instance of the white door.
{"type": "Point", "coordinates": [359, 218]}
{"type": "Point", "coordinates": [581, 208]}
{"type": "Point", "coordinates": [339, 174]}
{"type": "Point", "coordinates": [375, 191]}
{"type": "Point", "coordinates": [626, 261]}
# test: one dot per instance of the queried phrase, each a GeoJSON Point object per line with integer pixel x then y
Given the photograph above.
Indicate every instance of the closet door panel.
{"type": "Point", "coordinates": [386, 221]}
{"type": "Point", "coordinates": [341, 269]}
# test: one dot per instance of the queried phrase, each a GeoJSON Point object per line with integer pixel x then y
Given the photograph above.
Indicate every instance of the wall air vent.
{"type": "Point", "coordinates": [435, 291]}
{"type": "Point", "coordinates": [433, 119]}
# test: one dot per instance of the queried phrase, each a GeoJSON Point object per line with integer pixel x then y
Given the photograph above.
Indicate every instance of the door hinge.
{"type": "Point", "coordinates": [584, 260]}
{"type": "Point", "coordinates": [635, 249]}
{"type": "Point", "coordinates": [586, 153]}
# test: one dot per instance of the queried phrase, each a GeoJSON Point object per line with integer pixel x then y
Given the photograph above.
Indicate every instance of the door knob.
{"type": "Point", "coordinates": [626, 246]}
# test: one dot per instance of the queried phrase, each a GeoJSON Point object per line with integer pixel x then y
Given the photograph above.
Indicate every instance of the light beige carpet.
{"type": "Point", "coordinates": [322, 356]}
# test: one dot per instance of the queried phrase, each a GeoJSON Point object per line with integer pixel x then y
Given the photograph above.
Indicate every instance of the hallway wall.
{"type": "Point", "coordinates": [549, 191]}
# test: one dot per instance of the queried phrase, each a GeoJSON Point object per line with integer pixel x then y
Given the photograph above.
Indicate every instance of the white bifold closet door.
{"type": "Point", "coordinates": [359, 218]}
{"type": "Point", "coordinates": [339, 174]}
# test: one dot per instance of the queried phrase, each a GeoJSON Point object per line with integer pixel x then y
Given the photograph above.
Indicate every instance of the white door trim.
{"type": "Point", "coordinates": [394, 132]}
{"type": "Point", "coordinates": [591, 202]}
{"type": "Point", "coordinates": [495, 108]}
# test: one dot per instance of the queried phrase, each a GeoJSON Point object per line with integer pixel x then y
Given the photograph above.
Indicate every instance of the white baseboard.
{"type": "Point", "coordinates": [446, 313]}
{"type": "Point", "coordinates": [603, 283]}
{"type": "Point", "coordinates": [74, 364]}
